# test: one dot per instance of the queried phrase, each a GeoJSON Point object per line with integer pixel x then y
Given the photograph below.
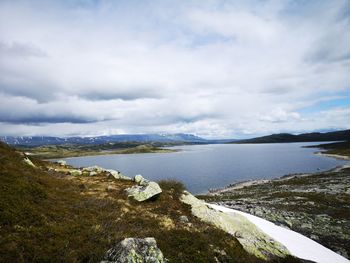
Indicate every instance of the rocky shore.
{"type": "Point", "coordinates": [315, 205]}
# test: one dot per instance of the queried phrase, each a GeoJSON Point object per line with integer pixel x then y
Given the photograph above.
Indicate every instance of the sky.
{"type": "Point", "coordinates": [216, 69]}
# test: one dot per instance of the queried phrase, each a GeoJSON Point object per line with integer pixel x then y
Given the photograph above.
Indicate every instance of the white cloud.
{"type": "Point", "coordinates": [212, 68]}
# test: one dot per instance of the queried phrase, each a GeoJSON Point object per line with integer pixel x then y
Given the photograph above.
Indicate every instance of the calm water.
{"type": "Point", "coordinates": [202, 167]}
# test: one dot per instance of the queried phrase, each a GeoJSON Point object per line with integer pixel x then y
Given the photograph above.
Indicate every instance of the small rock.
{"type": "Point", "coordinates": [62, 162]}
{"type": "Point", "coordinates": [93, 173]}
{"type": "Point", "coordinates": [314, 237]}
{"type": "Point", "coordinates": [288, 223]}
{"type": "Point", "coordinates": [132, 250]}
{"type": "Point", "coordinates": [306, 225]}
{"type": "Point", "coordinates": [138, 178]}
{"type": "Point", "coordinates": [183, 219]}
{"type": "Point", "coordinates": [110, 188]}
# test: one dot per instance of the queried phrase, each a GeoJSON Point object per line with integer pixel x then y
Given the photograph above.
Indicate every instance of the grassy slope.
{"type": "Point", "coordinates": [49, 217]}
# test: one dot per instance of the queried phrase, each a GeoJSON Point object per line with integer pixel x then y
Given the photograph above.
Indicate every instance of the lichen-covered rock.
{"type": "Point", "coordinates": [252, 239]}
{"type": "Point", "coordinates": [135, 250]}
{"type": "Point", "coordinates": [145, 191]}
{"type": "Point", "coordinates": [111, 173]}
{"type": "Point", "coordinates": [138, 178]}
{"type": "Point", "coordinates": [29, 162]}
{"type": "Point", "coordinates": [93, 173]}
{"type": "Point", "coordinates": [62, 162]}
{"type": "Point", "coordinates": [183, 219]}
{"type": "Point", "coordinates": [94, 168]}
{"type": "Point", "coordinates": [75, 172]}
{"type": "Point", "coordinates": [117, 175]}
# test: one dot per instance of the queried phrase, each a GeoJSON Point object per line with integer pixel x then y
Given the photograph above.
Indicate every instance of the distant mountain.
{"type": "Point", "coordinates": [305, 137]}
{"type": "Point", "coordinates": [47, 140]}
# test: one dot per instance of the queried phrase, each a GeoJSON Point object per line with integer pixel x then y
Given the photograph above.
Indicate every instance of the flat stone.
{"type": "Point", "coordinates": [29, 162]}
{"type": "Point", "coordinates": [251, 237]}
{"type": "Point", "coordinates": [144, 192]}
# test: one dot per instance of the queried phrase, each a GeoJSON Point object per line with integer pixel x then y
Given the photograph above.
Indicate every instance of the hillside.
{"type": "Point", "coordinates": [47, 214]}
{"type": "Point", "coordinates": [305, 137]}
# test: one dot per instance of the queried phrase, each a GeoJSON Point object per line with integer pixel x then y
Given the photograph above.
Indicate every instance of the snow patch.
{"type": "Point", "coordinates": [297, 244]}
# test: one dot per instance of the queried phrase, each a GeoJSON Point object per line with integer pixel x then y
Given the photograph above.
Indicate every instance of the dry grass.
{"type": "Point", "coordinates": [50, 217]}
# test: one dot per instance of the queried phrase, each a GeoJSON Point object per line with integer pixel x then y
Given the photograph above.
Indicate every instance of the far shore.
{"type": "Point", "coordinates": [64, 153]}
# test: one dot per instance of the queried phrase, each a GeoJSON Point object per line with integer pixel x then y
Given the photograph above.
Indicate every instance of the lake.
{"type": "Point", "coordinates": [201, 167]}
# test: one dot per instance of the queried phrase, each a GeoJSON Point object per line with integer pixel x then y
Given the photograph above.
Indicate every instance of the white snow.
{"type": "Point", "coordinates": [297, 244]}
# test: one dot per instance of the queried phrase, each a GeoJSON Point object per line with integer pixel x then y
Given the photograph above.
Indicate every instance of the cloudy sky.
{"type": "Point", "coordinates": [217, 69]}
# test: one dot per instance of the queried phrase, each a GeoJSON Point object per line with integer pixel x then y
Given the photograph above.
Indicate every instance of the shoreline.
{"type": "Point", "coordinates": [332, 155]}
{"type": "Point", "coordinates": [248, 183]}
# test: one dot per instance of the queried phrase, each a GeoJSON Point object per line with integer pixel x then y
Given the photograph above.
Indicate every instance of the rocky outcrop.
{"type": "Point", "coordinates": [93, 170]}
{"type": "Point", "coordinates": [135, 250]}
{"type": "Point", "coordinates": [252, 239]}
{"type": "Point", "coordinates": [75, 172]}
{"type": "Point", "coordinates": [116, 175]}
{"type": "Point", "coordinates": [315, 205]}
{"type": "Point", "coordinates": [144, 190]}
{"type": "Point", "coordinates": [29, 162]}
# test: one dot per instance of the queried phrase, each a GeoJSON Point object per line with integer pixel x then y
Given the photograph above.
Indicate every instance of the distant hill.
{"type": "Point", "coordinates": [305, 137]}
{"type": "Point", "coordinates": [143, 138]}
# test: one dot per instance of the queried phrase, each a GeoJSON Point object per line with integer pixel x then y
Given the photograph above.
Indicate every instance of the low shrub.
{"type": "Point", "coordinates": [175, 187]}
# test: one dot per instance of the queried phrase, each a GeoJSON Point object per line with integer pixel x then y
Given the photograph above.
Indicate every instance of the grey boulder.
{"type": "Point", "coordinates": [144, 190]}
{"type": "Point", "coordinates": [135, 250]}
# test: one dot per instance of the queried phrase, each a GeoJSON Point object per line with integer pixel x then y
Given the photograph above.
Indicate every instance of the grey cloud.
{"type": "Point", "coordinates": [21, 50]}
{"type": "Point", "coordinates": [41, 118]}
{"type": "Point", "coordinates": [332, 42]}
{"type": "Point", "coordinates": [127, 94]}
{"type": "Point", "coordinates": [278, 90]}
{"type": "Point", "coordinates": [40, 90]}
{"type": "Point", "coordinates": [327, 54]}
{"type": "Point", "coordinates": [17, 110]}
